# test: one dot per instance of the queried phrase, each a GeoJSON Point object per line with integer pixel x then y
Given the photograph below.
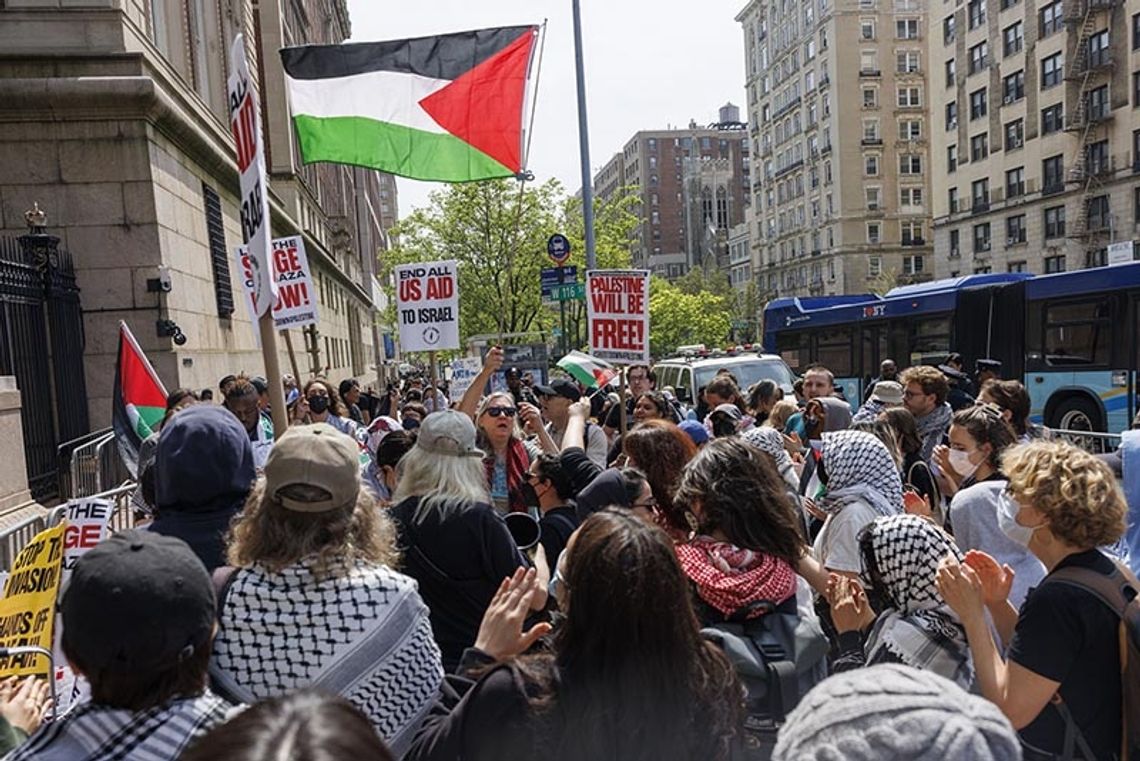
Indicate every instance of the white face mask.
{"type": "Point", "coordinates": [960, 462]}
{"type": "Point", "coordinates": [1007, 521]}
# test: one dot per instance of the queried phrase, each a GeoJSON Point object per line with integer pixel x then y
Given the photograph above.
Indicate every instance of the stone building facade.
{"type": "Point", "coordinates": [113, 118]}
{"type": "Point", "coordinates": [837, 94]}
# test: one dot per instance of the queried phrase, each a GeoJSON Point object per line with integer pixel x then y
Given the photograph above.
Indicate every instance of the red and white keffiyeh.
{"type": "Point", "coordinates": [729, 578]}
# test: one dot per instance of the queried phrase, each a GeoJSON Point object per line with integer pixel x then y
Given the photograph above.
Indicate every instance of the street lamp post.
{"type": "Point", "coordinates": [584, 142]}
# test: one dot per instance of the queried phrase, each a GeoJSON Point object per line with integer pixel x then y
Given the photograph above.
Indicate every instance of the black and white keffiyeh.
{"type": "Point", "coordinates": [919, 627]}
{"type": "Point", "coordinates": [364, 634]}
{"type": "Point", "coordinates": [859, 468]}
{"type": "Point", "coordinates": [770, 440]}
{"type": "Point", "coordinates": [932, 427]}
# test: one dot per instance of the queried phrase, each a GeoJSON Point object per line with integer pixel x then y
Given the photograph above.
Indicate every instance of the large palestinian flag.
{"type": "Point", "coordinates": [447, 108]}
{"type": "Point", "coordinates": [140, 398]}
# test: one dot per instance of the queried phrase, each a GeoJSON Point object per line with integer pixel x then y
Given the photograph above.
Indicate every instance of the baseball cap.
{"type": "Point", "coordinates": [729, 409]}
{"type": "Point", "coordinates": [137, 602]}
{"type": "Point", "coordinates": [888, 392]}
{"type": "Point", "coordinates": [560, 387]}
{"type": "Point", "coordinates": [512, 371]}
{"type": "Point", "coordinates": [695, 431]}
{"type": "Point", "coordinates": [449, 433]}
{"type": "Point", "coordinates": [952, 373]}
{"type": "Point", "coordinates": [260, 384]}
{"type": "Point", "coordinates": [988, 364]}
{"type": "Point", "coordinates": [317, 455]}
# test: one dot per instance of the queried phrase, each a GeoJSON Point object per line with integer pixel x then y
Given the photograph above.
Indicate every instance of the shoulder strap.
{"type": "Point", "coordinates": [1109, 589]}
{"type": "Point", "coordinates": [223, 578]}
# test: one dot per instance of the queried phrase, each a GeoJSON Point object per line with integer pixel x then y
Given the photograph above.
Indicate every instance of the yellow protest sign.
{"type": "Point", "coordinates": [27, 611]}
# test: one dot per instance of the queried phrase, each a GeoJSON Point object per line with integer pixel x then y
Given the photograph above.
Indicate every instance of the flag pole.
{"type": "Point", "coordinates": [268, 329]}
{"type": "Point", "coordinates": [621, 405]}
{"type": "Point", "coordinates": [584, 141]}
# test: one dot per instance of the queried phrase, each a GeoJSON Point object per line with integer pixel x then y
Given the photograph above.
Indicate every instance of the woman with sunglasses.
{"type": "Point", "coordinates": [979, 438]}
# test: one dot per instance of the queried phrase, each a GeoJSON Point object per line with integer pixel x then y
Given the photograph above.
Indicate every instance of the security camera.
{"type": "Point", "coordinates": [179, 337]}
{"type": "Point", "coordinates": [164, 281]}
{"type": "Point", "coordinates": [170, 329]}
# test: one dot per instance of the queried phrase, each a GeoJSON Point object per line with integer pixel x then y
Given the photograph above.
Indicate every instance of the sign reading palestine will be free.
{"type": "Point", "coordinates": [618, 310]}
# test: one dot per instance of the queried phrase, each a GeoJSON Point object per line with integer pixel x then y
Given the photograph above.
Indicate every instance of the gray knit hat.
{"type": "Point", "coordinates": [888, 712]}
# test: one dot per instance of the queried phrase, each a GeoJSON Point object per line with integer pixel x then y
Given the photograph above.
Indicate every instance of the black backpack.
{"type": "Point", "coordinates": [778, 657]}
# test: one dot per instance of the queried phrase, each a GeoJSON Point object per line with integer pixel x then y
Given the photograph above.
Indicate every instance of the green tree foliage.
{"type": "Point", "coordinates": [677, 318]}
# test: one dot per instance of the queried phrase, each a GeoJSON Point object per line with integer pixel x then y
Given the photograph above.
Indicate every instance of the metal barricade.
{"type": "Point", "coordinates": [1090, 441]}
{"type": "Point", "coordinates": [14, 537]}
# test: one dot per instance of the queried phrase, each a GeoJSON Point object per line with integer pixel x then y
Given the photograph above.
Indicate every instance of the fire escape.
{"type": "Point", "coordinates": [1089, 70]}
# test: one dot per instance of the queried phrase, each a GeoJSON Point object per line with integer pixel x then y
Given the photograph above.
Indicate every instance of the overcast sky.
{"type": "Point", "coordinates": [649, 64]}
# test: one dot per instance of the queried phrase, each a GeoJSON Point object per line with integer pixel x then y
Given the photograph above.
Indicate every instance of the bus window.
{"type": "Point", "coordinates": [795, 348]}
{"type": "Point", "coordinates": [833, 351]}
{"type": "Point", "coordinates": [930, 341]}
{"type": "Point", "coordinates": [1078, 334]}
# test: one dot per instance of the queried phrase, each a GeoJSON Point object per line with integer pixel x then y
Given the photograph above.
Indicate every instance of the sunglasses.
{"type": "Point", "coordinates": [501, 411]}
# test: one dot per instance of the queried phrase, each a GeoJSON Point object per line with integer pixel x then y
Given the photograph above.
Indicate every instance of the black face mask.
{"type": "Point", "coordinates": [528, 494]}
{"type": "Point", "coordinates": [318, 404]}
{"type": "Point", "coordinates": [723, 426]}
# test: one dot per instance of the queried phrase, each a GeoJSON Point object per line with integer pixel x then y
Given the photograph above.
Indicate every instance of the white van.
{"type": "Point", "coordinates": [690, 373]}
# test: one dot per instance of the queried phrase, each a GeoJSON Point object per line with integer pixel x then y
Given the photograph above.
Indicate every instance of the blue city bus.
{"type": "Point", "coordinates": [1070, 337]}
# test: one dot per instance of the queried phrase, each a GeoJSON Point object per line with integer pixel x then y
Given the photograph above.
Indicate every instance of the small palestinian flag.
{"type": "Point", "coordinates": [447, 109]}
{"type": "Point", "coordinates": [140, 399]}
{"type": "Point", "coordinates": [587, 370]}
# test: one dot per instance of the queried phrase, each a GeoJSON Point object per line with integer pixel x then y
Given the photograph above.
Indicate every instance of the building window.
{"type": "Point", "coordinates": [1136, 31]}
{"type": "Point", "coordinates": [1054, 264]}
{"type": "Point", "coordinates": [874, 266]}
{"type": "Point", "coordinates": [871, 130]}
{"type": "Point", "coordinates": [1055, 222]}
{"type": "Point", "coordinates": [1013, 87]}
{"type": "Point", "coordinates": [983, 269]}
{"type": "Point", "coordinates": [910, 196]}
{"type": "Point", "coordinates": [1052, 71]}
{"type": "Point", "coordinates": [1015, 230]}
{"type": "Point", "coordinates": [906, 29]}
{"type": "Point", "coordinates": [979, 147]}
{"type": "Point", "coordinates": [979, 57]}
{"type": "Point", "coordinates": [1052, 119]}
{"type": "Point", "coordinates": [912, 233]}
{"type": "Point", "coordinates": [1015, 182]}
{"type": "Point", "coordinates": [1017, 267]}
{"type": "Point", "coordinates": [1097, 160]}
{"type": "Point", "coordinates": [912, 265]}
{"type": "Point", "coordinates": [1053, 175]}
{"type": "Point", "coordinates": [910, 164]}
{"type": "Point", "coordinates": [976, 10]}
{"type": "Point", "coordinates": [908, 62]}
{"type": "Point", "coordinates": [1136, 206]}
{"type": "Point", "coordinates": [952, 115]}
{"type": "Point", "coordinates": [910, 129]}
{"type": "Point", "coordinates": [948, 31]}
{"type": "Point", "coordinates": [1098, 49]}
{"type": "Point", "coordinates": [1135, 89]}
{"type": "Point", "coordinates": [1098, 105]}
{"type": "Point", "coordinates": [950, 71]}
{"type": "Point", "coordinates": [873, 232]}
{"type": "Point", "coordinates": [1015, 134]}
{"type": "Point", "coordinates": [951, 158]}
{"type": "Point", "coordinates": [873, 193]}
{"type": "Point", "coordinates": [871, 166]}
{"type": "Point", "coordinates": [952, 199]}
{"type": "Point", "coordinates": [1007, 4]}
{"type": "Point", "coordinates": [955, 250]}
{"type": "Point", "coordinates": [1052, 18]}
{"type": "Point", "coordinates": [866, 29]}
{"type": "Point", "coordinates": [1013, 39]}
{"type": "Point", "coordinates": [1100, 217]}
{"type": "Point", "coordinates": [980, 194]}
{"type": "Point", "coordinates": [219, 252]}
{"type": "Point", "coordinates": [977, 104]}
{"type": "Point", "coordinates": [909, 97]}
{"type": "Point", "coordinates": [870, 97]}
{"type": "Point", "coordinates": [981, 237]}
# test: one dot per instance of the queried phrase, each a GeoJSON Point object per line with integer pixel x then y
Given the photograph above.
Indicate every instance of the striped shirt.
{"type": "Point", "coordinates": [98, 733]}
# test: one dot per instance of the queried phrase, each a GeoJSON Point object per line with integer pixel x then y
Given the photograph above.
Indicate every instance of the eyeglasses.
{"type": "Point", "coordinates": [649, 504]}
{"type": "Point", "coordinates": [912, 394]}
{"type": "Point", "coordinates": [501, 411]}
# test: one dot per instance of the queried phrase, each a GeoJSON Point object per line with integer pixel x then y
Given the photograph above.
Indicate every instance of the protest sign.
{"type": "Point", "coordinates": [27, 612]}
{"type": "Point", "coordinates": [296, 304]}
{"type": "Point", "coordinates": [245, 123]}
{"type": "Point", "coordinates": [87, 522]}
{"type": "Point", "coordinates": [463, 374]}
{"type": "Point", "coordinates": [427, 305]}
{"type": "Point", "coordinates": [618, 311]}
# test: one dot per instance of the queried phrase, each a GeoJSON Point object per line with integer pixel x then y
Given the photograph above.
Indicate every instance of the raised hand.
{"type": "Point", "coordinates": [501, 634]}
{"type": "Point", "coordinates": [493, 362]}
{"type": "Point", "coordinates": [961, 588]}
{"type": "Point", "coordinates": [25, 705]}
{"type": "Point", "coordinates": [996, 579]}
{"type": "Point", "coordinates": [850, 610]}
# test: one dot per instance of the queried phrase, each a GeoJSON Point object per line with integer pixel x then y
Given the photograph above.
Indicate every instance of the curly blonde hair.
{"type": "Point", "coordinates": [269, 534]}
{"type": "Point", "coordinates": [1073, 489]}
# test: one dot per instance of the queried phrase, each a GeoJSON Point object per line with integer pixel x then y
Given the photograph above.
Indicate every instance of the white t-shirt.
{"type": "Point", "coordinates": [837, 544]}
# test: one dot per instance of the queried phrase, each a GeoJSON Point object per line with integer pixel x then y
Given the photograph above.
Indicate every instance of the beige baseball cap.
{"type": "Point", "coordinates": [315, 455]}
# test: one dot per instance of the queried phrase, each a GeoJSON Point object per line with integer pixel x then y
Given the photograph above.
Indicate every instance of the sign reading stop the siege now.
{"type": "Point", "coordinates": [427, 305]}
{"type": "Point", "coordinates": [245, 123]}
{"type": "Point", "coordinates": [296, 304]}
{"type": "Point", "coordinates": [618, 309]}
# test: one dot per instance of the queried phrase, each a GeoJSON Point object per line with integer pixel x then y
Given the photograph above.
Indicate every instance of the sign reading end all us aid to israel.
{"type": "Point", "coordinates": [618, 308]}
{"type": "Point", "coordinates": [427, 305]}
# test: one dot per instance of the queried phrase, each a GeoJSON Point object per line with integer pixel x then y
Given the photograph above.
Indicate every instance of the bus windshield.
{"type": "Point", "coordinates": [747, 373]}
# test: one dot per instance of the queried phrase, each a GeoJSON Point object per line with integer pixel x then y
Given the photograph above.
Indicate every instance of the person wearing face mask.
{"type": "Point", "coordinates": [387, 443]}
{"type": "Point", "coordinates": [321, 404]}
{"type": "Point", "coordinates": [979, 436]}
{"type": "Point", "coordinates": [1061, 503]}
{"type": "Point", "coordinates": [547, 488]}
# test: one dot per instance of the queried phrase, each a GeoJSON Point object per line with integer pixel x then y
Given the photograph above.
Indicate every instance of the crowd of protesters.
{"type": "Point", "coordinates": [775, 573]}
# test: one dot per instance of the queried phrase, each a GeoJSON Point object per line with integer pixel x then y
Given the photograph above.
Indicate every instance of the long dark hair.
{"type": "Point", "coordinates": [984, 424]}
{"type": "Point", "coordinates": [740, 493]}
{"type": "Point", "coordinates": [660, 450]}
{"type": "Point", "coordinates": [632, 683]}
{"type": "Point", "coordinates": [1010, 395]}
{"type": "Point", "coordinates": [903, 424]}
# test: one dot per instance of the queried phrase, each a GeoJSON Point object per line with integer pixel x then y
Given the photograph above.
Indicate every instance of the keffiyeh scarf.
{"type": "Point", "coordinates": [770, 440]}
{"type": "Point", "coordinates": [932, 427]}
{"type": "Point", "coordinates": [859, 468]}
{"type": "Point", "coordinates": [919, 628]}
{"type": "Point", "coordinates": [729, 578]}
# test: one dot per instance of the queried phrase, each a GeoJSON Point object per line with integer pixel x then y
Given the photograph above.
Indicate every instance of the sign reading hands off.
{"type": "Point", "coordinates": [427, 305]}
{"type": "Point", "coordinates": [618, 309]}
